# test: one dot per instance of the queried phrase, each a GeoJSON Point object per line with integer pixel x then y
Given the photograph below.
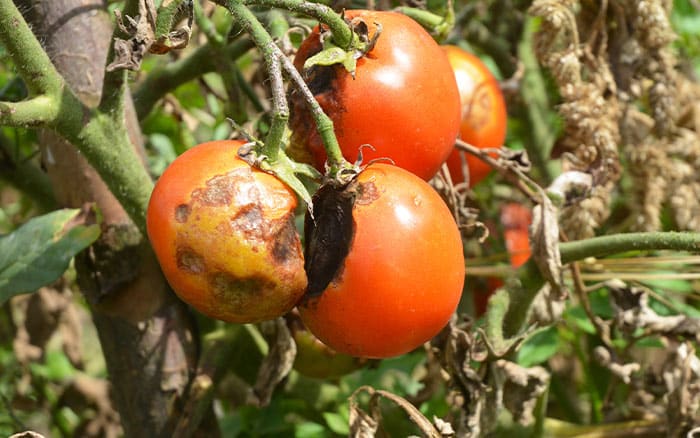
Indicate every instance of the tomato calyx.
{"type": "Point", "coordinates": [332, 54]}
{"type": "Point", "coordinates": [283, 167]}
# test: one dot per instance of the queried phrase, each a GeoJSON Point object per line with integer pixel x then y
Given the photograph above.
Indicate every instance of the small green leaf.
{"type": "Point", "coordinates": [309, 430]}
{"type": "Point", "coordinates": [338, 423]}
{"type": "Point", "coordinates": [331, 56]}
{"type": "Point", "coordinates": [39, 251]}
{"type": "Point", "coordinates": [539, 347]}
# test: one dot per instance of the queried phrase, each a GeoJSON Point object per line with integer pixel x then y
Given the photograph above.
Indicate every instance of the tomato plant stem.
{"type": "Point", "coordinates": [616, 243]}
{"type": "Point", "coordinates": [100, 136]}
{"type": "Point", "coordinates": [276, 62]}
{"type": "Point", "coordinates": [436, 24]}
{"type": "Point", "coordinates": [343, 36]}
{"type": "Point", "coordinates": [532, 280]}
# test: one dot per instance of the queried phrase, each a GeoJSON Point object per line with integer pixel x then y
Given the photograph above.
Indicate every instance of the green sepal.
{"type": "Point", "coordinates": [332, 55]}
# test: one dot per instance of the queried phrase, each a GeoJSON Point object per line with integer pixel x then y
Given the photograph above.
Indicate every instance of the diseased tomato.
{"type": "Point", "coordinates": [402, 277]}
{"type": "Point", "coordinates": [224, 235]}
{"type": "Point", "coordinates": [403, 100]}
{"type": "Point", "coordinates": [515, 220]}
{"type": "Point", "coordinates": [484, 114]}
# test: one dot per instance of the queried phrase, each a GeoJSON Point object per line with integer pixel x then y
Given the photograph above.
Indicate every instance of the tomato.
{"type": "Point", "coordinates": [484, 114]}
{"type": "Point", "coordinates": [225, 237]}
{"type": "Point", "coordinates": [403, 100]}
{"type": "Point", "coordinates": [402, 277]}
{"type": "Point", "coordinates": [515, 220]}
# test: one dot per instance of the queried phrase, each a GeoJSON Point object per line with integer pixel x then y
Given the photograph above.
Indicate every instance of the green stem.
{"type": "Point", "coordinates": [31, 61]}
{"type": "Point", "coordinates": [99, 136]}
{"type": "Point", "coordinates": [114, 82]}
{"type": "Point", "coordinates": [36, 111]}
{"type": "Point", "coordinates": [271, 56]}
{"type": "Point", "coordinates": [434, 23]}
{"type": "Point", "coordinates": [617, 243]}
{"type": "Point", "coordinates": [532, 281]}
{"type": "Point", "coordinates": [343, 36]}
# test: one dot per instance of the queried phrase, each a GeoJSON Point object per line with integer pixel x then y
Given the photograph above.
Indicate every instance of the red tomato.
{"type": "Point", "coordinates": [225, 237]}
{"type": "Point", "coordinates": [403, 100]}
{"type": "Point", "coordinates": [403, 275]}
{"type": "Point", "coordinates": [484, 114]}
{"type": "Point", "coordinates": [515, 219]}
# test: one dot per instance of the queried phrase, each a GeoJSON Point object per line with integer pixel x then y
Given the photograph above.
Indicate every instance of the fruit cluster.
{"type": "Point", "coordinates": [382, 267]}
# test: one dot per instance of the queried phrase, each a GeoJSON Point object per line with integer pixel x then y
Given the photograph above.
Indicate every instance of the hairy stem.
{"type": "Point", "coordinates": [342, 34]}
{"type": "Point", "coordinates": [532, 281]}
{"type": "Point", "coordinates": [100, 137]}
{"type": "Point", "coordinates": [31, 62]}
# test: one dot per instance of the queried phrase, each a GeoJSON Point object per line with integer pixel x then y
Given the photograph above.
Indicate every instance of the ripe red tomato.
{"type": "Point", "coordinates": [403, 100]}
{"type": "Point", "coordinates": [225, 237]}
{"type": "Point", "coordinates": [403, 275]}
{"type": "Point", "coordinates": [515, 219]}
{"type": "Point", "coordinates": [484, 114]}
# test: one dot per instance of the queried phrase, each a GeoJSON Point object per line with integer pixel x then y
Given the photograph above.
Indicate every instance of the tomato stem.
{"type": "Point", "coordinates": [436, 24]}
{"type": "Point", "coordinates": [277, 62]}
{"type": "Point", "coordinates": [343, 35]}
{"type": "Point", "coordinates": [532, 280]}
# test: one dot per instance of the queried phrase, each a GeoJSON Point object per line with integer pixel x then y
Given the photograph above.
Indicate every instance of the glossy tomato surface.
{"type": "Point", "coordinates": [402, 278]}
{"type": "Point", "coordinates": [484, 116]}
{"type": "Point", "coordinates": [224, 235]}
{"type": "Point", "coordinates": [403, 100]}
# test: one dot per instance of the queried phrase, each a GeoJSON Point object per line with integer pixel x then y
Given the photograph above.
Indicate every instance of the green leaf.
{"type": "Point", "coordinates": [331, 56]}
{"type": "Point", "coordinates": [338, 423]}
{"type": "Point", "coordinates": [539, 347]}
{"type": "Point", "coordinates": [309, 430]}
{"type": "Point", "coordinates": [39, 251]}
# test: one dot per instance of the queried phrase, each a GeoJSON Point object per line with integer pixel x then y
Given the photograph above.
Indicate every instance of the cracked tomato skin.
{"type": "Point", "coordinates": [403, 100]}
{"type": "Point", "coordinates": [484, 115]}
{"type": "Point", "coordinates": [224, 235]}
{"type": "Point", "coordinates": [402, 278]}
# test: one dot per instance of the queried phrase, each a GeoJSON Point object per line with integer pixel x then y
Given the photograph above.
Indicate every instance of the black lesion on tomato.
{"type": "Point", "coordinates": [329, 233]}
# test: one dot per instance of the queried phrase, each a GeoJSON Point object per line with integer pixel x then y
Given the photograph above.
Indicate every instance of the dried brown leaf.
{"type": "Point", "coordinates": [544, 241]}
{"type": "Point", "coordinates": [278, 362]}
{"type": "Point", "coordinates": [521, 388]}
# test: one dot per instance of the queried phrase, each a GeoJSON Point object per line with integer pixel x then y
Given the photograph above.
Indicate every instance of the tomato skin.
{"type": "Point", "coordinates": [224, 235]}
{"type": "Point", "coordinates": [484, 115]}
{"type": "Point", "coordinates": [403, 100]}
{"type": "Point", "coordinates": [402, 278]}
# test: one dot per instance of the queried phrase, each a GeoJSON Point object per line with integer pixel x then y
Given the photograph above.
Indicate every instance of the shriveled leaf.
{"type": "Point", "coordinates": [39, 251]}
{"type": "Point", "coordinates": [521, 388]}
{"type": "Point", "coordinates": [362, 423]}
{"type": "Point", "coordinates": [278, 362]}
{"type": "Point", "coordinates": [544, 238]}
